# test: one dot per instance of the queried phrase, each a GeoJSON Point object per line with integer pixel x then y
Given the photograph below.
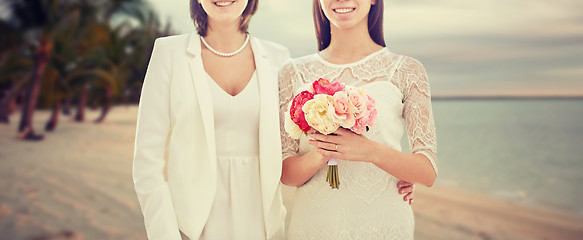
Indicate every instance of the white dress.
{"type": "Point", "coordinates": [237, 211]}
{"type": "Point", "coordinates": [367, 205]}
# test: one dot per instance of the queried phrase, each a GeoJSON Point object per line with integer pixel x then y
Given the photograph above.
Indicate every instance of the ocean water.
{"type": "Point", "coordinates": [528, 151]}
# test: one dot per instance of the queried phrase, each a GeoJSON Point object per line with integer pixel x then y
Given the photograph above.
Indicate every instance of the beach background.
{"type": "Point", "coordinates": [507, 86]}
{"type": "Point", "coordinates": [498, 178]}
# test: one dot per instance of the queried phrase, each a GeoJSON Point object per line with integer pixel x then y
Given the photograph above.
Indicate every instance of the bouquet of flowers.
{"type": "Point", "coordinates": [325, 106]}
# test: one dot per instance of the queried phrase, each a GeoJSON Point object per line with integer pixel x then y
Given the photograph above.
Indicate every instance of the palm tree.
{"type": "Point", "coordinates": [112, 62]}
{"type": "Point", "coordinates": [51, 79]}
{"type": "Point", "coordinates": [142, 38]}
{"type": "Point", "coordinates": [70, 49]}
{"type": "Point", "coordinates": [73, 47]}
{"type": "Point", "coordinates": [39, 21]}
{"type": "Point", "coordinates": [14, 66]}
{"type": "Point", "coordinates": [100, 56]}
{"type": "Point", "coordinates": [113, 52]}
{"type": "Point", "coordinates": [124, 47]}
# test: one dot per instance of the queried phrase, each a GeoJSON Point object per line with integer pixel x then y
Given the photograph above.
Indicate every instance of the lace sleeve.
{"type": "Point", "coordinates": [287, 77]}
{"type": "Point", "coordinates": [417, 112]}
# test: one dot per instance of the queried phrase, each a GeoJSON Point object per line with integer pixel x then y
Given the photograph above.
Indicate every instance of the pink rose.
{"type": "Point", "coordinates": [324, 86]}
{"type": "Point", "coordinates": [368, 119]}
{"type": "Point", "coordinates": [359, 126]}
{"type": "Point", "coordinates": [372, 117]}
{"type": "Point", "coordinates": [370, 102]}
{"type": "Point", "coordinates": [343, 110]}
{"type": "Point", "coordinates": [368, 114]}
{"type": "Point", "coordinates": [372, 111]}
{"type": "Point", "coordinates": [295, 110]}
{"type": "Point", "coordinates": [358, 99]}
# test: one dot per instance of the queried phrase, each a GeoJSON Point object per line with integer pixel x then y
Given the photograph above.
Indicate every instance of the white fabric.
{"type": "Point", "coordinates": [236, 119]}
{"type": "Point", "coordinates": [236, 212]}
{"type": "Point", "coordinates": [367, 205]}
{"type": "Point", "coordinates": [176, 116]}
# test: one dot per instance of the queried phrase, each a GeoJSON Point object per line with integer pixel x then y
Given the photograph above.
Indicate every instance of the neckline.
{"type": "Point", "coordinates": [253, 77]}
{"type": "Point", "coordinates": [364, 59]}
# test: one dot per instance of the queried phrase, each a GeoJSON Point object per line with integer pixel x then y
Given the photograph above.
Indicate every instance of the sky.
{"type": "Point", "coordinates": [469, 48]}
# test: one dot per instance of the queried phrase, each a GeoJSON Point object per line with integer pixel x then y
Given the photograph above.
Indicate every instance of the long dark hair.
{"type": "Point", "coordinates": [375, 24]}
{"type": "Point", "coordinates": [201, 20]}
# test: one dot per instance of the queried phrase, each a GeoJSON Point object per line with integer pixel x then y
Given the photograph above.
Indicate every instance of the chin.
{"type": "Point", "coordinates": [346, 25]}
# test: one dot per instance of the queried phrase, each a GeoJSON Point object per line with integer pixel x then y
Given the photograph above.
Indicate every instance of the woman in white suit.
{"type": "Point", "coordinates": [211, 99]}
{"type": "Point", "coordinates": [210, 102]}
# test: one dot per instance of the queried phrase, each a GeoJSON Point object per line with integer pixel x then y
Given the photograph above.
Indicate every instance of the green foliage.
{"type": "Point", "coordinates": [96, 43]}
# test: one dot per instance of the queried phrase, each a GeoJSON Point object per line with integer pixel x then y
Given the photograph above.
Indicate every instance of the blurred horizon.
{"type": "Point", "coordinates": [470, 49]}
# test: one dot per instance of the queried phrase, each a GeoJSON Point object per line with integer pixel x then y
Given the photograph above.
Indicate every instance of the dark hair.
{"type": "Point", "coordinates": [201, 22]}
{"type": "Point", "coordinates": [375, 24]}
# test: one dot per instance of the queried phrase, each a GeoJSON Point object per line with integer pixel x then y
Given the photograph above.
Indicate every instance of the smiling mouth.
{"type": "Point", "coordinates": [344, 10]}
{"type": "Point", "coordinates": [224, 3]}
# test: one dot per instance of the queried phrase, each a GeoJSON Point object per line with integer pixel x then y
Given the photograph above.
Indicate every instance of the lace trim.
{"type": "Point", "coordinates": [406, 73]}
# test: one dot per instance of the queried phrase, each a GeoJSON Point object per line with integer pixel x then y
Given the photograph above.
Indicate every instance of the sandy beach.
{"type": "Point", "coordinates": [76, 184]}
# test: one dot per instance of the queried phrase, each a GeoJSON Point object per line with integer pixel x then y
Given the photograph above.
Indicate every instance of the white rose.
{"type": "Point", "coordinates": [291, 128]}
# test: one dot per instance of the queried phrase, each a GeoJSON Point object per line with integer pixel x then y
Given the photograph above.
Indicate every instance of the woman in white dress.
{"type": "Point", "coordinates": [210, 99]}
{"type": "Point", "coordinates": [366, 205]}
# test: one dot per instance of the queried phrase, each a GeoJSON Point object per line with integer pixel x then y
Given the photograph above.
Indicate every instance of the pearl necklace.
{"type": "Point", "coordinates": [225, 54]}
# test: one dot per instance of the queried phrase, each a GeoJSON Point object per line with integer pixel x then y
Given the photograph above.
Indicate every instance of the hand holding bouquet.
{"type": "Point", "coordinates": [325, 106]}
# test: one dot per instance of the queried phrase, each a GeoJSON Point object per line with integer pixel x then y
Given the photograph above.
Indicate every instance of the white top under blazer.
{"type": "Point", "coordinates": [176, 109]}
{"type": "Point", "coordinates": [237, 212]}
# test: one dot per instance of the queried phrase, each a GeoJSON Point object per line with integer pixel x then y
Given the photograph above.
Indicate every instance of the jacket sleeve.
{"type": "Point", "coordinates": [152, 133]}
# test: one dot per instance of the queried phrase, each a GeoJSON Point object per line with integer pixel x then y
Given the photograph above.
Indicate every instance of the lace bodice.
{"type": "Point", "coordinates": [367, 204]}
{"type": "Point", "coordinates": [405, 73]}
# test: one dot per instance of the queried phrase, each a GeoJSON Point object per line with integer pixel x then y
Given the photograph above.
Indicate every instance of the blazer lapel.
{"type": "Point", "coordinates": [269, 140]}
{"type": "Point", "coordinates": [202, 93]}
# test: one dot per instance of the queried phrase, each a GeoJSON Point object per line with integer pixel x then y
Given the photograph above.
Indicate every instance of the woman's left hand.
{"type": "Point", "coordinates": [344, 144]}
{"type": "Point", "coordinates": [406, 188]}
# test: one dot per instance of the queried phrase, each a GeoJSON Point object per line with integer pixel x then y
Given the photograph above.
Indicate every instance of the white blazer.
{"type": "Point", "coordinates": [176, 112]}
